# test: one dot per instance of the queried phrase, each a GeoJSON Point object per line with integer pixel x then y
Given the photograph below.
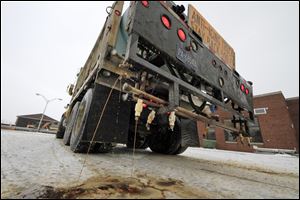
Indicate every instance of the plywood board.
{"type": "Point", "coordinates": [211, 37]}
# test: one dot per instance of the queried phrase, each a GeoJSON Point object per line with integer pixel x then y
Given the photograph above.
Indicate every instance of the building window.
{"type": "Point", "coordinates": [229, 137]}
{"type": "Point", "coordinates": [254, 131]}
{"type": "Point", "coordinates": [260, 111]}
{"type": "Point", "coordinates": [211, 135]}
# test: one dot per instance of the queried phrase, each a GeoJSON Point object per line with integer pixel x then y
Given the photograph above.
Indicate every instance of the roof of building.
{"type": "Point", "coordinates": [274, 93]}
{"type": "Point", "coordinates": [37, 117]}
{"type": "Point", "coordinates": [267, 94]}
{"type": "Point", "coordinates": [292, 98]}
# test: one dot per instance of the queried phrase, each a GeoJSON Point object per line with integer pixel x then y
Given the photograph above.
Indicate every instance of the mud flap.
{"type": "Point", "coordinates": [115, 120]}
{"type": "Point", "coordinates": [189, 133]}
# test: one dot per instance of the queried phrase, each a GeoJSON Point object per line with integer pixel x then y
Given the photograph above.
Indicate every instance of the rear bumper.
{"type": "Point", "coordinates": [145, 25]}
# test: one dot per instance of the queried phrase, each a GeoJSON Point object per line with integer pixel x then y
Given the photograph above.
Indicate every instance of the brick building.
{"type": "Point", "coordinates": [293, 106]}
{"type": "Point", "coordinates": [277, 126]}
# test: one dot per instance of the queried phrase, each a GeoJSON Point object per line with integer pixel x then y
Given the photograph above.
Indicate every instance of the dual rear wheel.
{"type": "Point", "coordinates": [61, 127]}
{"type": "Point", "coordinates": [164, 140]}
{"type": "Point", "coordinates": [161, 140]}
{"type": "Point", "coordinates": [75, 134]}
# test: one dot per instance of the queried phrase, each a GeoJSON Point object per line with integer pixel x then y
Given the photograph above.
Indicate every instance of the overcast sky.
{"type": "Point", "coordinates": [44, 44]}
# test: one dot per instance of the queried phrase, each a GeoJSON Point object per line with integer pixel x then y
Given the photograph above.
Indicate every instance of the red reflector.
{"type": "Point", "coordinates": [145, 3]}
{"type": "Point", "coordinates": [247, 91]}
{"type": "Point", "coordinates": [144, 105]}
{"type": "Point", "coordinates": [117, 12]}
{"type": "Point", "coordinates": [242, 87]}
{"type": "Point", "coordinates": [181, 35]}
{"type": "Point", "coordinates": [166, 22]}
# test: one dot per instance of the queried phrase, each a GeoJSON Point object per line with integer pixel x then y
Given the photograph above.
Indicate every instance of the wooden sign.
{"type": "Point", "coordinates": [211, 37]}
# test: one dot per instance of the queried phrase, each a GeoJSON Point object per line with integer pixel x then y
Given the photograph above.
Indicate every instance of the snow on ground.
{"type": "Point", "coordinates": [30, 161]}
{"type": "Point", "coordinates": [281, 163]}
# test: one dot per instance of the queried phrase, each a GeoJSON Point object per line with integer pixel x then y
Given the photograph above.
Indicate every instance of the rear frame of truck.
{"type": "Point", "coordinates": [147, 82]}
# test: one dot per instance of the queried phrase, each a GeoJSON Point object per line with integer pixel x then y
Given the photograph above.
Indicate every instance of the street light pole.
{"type": "Point", "coordinates": [47, 101]}
{"type": "Point", "coordinates": [42, 116]}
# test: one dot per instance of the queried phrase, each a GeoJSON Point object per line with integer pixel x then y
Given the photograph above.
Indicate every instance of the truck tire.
{"type": "Point", "coordinates": [61, 127]}
{"type": "Point", "coordinates": [102, 148]}
{"type": "Point", "coordinates": [70, 124]}
{"type": "Point", "coordinates": [76, 143]}
{"type": "Point", "coordinates": [180, 150]}
{"type": "Point", "coordinates": [162, 139]}
{"type": "Point", "coordinates": [140, 143]}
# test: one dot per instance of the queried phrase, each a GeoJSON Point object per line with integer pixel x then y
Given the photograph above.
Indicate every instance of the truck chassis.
{"type": "Point", "coordinates": [144, 84]}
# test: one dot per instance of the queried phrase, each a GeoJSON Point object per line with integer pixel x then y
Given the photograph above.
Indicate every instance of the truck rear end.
{"type": "Point", "coordinates": [148, 79]}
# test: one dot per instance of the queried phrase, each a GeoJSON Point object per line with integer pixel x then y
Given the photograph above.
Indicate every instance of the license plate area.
{"type": "Point", "coordinates": [186, 58]}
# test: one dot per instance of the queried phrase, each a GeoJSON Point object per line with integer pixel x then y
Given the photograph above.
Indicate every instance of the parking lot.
{"type": "Point", "coordinates": [36, 165]}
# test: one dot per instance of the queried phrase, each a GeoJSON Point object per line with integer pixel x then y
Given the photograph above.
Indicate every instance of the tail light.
{"type": "Point", "coordinates": [247, 91]}
{"type": "Point", "coordinates": [145, 3]}
{"type": "Point", "coordinates": [242, 87]}
{"type": "Point", "coordinates": [166, 22]}
{"type": "Point", "coordinates": [181, 34]}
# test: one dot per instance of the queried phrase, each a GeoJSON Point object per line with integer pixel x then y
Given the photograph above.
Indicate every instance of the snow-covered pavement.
{"type": "Point", "coordinates": [31, 162]}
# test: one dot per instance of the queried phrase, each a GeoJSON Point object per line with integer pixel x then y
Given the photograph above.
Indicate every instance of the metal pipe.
{"type": "Point", "coordinates": [129, 88]}
{"type": "Point", "coordinates": [152, 104]}
{"type": "Point", "coordinates": [39, 126]}
{"type": "Point", "coordinates": [179, 110]}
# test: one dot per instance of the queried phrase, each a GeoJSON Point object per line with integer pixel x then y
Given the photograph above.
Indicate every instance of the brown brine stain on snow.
{"type": "Point", "coordinates": [126, 187]}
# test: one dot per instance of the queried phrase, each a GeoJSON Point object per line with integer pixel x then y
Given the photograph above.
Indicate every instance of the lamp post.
{"type": "Point", "coordinates": [47, 101]}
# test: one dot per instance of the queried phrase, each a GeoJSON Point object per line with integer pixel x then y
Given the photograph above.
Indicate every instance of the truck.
{"type": "Point", "coordinates": [151, 75]}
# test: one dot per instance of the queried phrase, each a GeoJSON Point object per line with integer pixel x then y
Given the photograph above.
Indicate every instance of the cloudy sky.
{"type": "Point", "coordinates": [44, 44]}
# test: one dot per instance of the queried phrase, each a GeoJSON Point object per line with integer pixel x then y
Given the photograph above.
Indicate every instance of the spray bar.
{"type": "Point", "coordinates": [178, 110]}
